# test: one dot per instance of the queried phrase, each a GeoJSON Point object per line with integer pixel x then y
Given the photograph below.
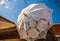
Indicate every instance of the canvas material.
{"type": "Point", "coordinates": [34, 22]}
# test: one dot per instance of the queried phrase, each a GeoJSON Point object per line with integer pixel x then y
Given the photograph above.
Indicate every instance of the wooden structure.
{"type": "Point", "coordinates": [6, 25]}
{"type": "Point", "coordinates": [56, 29]}
{"type": "Point", "coordinates": [8, 32]}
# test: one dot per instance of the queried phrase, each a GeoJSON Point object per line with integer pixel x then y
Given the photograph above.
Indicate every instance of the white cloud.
{"type": "Point", "coordinates": [2, 2]}
{"type": "Point", "coordinates": [7, 7]}
{"type": "Point", "coordinates": [7, 3]}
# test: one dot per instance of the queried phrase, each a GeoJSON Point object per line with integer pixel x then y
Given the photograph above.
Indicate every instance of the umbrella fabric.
{"type": "Point", "coordinates": [34, 22]}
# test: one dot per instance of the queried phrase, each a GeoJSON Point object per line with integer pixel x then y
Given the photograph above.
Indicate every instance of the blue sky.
{"type": "Point", "coordinates": [13, 11]}
{"type": "Point", "coordinates": [12, 8]}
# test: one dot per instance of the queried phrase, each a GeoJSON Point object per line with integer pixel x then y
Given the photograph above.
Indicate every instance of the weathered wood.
{"type": "Point", "coordinates": [5, 20]}
{"type": "Point", "coordinates": [56, 29]}
{"type": "Point", "coordinates": [6, 25]}
{"type": "Point", "coordinates": [8, 32]}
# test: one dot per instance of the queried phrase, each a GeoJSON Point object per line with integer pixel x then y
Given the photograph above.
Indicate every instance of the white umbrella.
{"type": "Point", "coordinates": [34, 22]}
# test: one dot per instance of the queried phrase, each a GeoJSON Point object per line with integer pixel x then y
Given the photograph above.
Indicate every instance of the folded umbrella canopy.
{"type": "Point", "coordinates": [34, 22]}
